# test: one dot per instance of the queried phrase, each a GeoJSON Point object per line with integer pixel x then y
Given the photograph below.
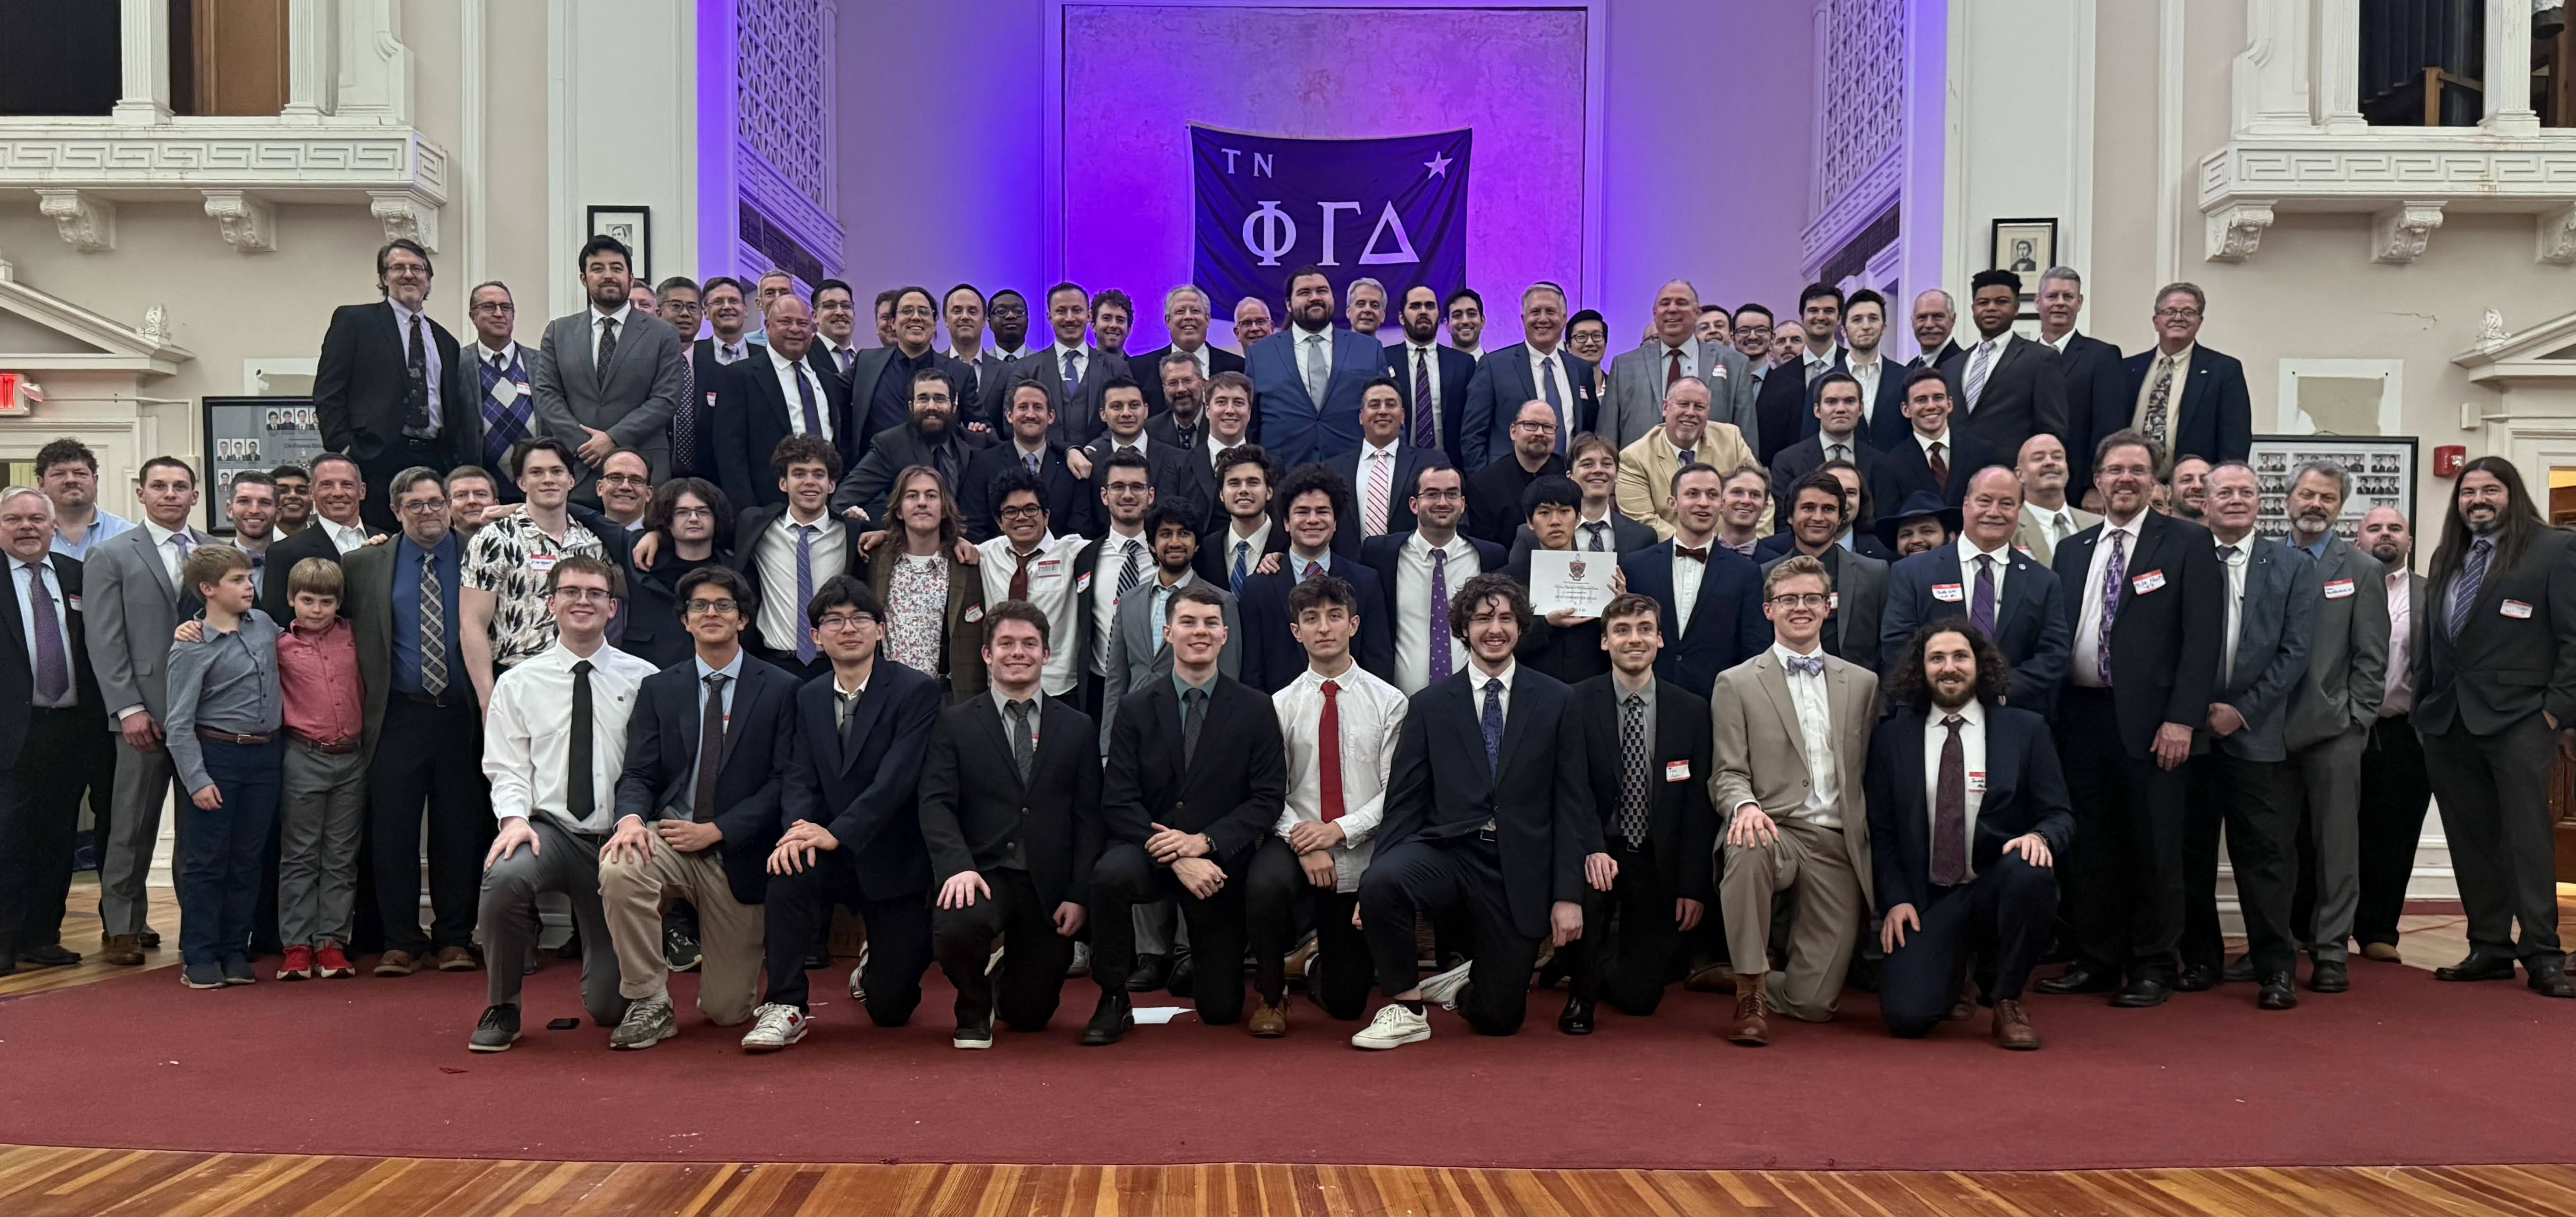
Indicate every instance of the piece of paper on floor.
{"type": "Point", "coordinates": [1156, 1016]}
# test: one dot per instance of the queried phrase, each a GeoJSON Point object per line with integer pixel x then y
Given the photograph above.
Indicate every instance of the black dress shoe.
{"type": "Point", "coordinates": [1183, 975]}
{"type": "Point", "coordinates": [2478, 965]}
{"type": "Point", "coordinates": [817, 958]}
{"type": "Point", "coordinates": [2549, 975]}
{"type": "Point", "coordinates": [2080, 979]}
{"type": "Point", "coordinates": [1577, 1018]}
{"type": "Point", "coordinates": [2239, 971]}
{"type": "Point", "coordinates": [2327, 976]}
{"type": "Point", "coordinates": [1148, 974]}
{"type": "Point", "coordinates": [149, 939]}
{"type": "Point", "coordinates": [51, 956]}
{"type": "Point", "coordinates": [2278, 993]}
{"type": "Point", "coordinates": [2143, 992]}
{"type": "Point", "coordinates": [1108, 1022]}
{"type": "Point", "coordinates": [2196, 978]}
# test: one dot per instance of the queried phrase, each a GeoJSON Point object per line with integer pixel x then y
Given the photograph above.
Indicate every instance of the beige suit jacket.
{"type": "Point", "coordinates": [1646, 471]}
{"type": "Point", "coordinates": [1761, 757]}
{"type": "Point", "coordinates": [2033, 540]}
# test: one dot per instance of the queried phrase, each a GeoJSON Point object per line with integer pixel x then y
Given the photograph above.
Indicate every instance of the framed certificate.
{"type": "Point", "coordinates": [1577, 581]}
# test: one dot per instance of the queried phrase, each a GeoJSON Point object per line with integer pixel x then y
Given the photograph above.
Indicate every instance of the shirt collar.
{"type": "Point", "coordinates": [506, 355]}
{"type": "Point", "coordinates": [1813, 360]}
{"type": "Point", "coordinates": [732, 671]}
{"type": "Point", "coordinates": [161, 536]}
{"type": "Point", "coordinates": [1081, 349]}
{"type": "Point", "coordinates": [2243, 545]}
{"type": "Point", "coordinates": [1371, 451]}
{"type": "Point", "coordinates": [1925, 442]}
{"type": "Point", "coordinates": [2318, 550]}
{"type": "Point", "coordinates": [1968, 552]}
{"type": "Point", "coordinates": [409, 548]}
{"type": "Point", "coordinates": [2182, 356]}
{"type": "Point", "coordinates": [1476, 677]}
{"type": "Point", "coordinates": [1325, 561]}
{"type": "Point", "coordinates": [401, 314]}
{"type": "Point", "coordinates": [1974, 714]}
{"type": "Point", "coordinates": [1689, 351]}
{"type": "Point", "coordinates": [621, 316]}
{"type": "Point", "coordinates": [838, 691]}
{"type": "Point", "coordinates": [778, 361]}
{"type": "Point", "coordinates": [2135, 528]}
{"type": "Point", "coordinates": [1183, 686]}
{"type": "Point", "coordinates": [2059, 343]}
{"type": "Point", "coordinates": [1781, 652]}
{"type": "Point", "coordinates": [1002, 705]}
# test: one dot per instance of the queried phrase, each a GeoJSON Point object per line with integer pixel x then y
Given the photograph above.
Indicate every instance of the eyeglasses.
{"type": "Point", "coordinates": [493, 306]}
{"type": "Point", "coordinates": [2177, 314]}
{"type": "Point", "coordinates": [700, 608]}
{"type": "Point", "coordinates": [1021, 511]}
{"type": "Point", "coordinates": [625, 479]}
{"type": "Point", "coordinates": [426, 506]}
{"type": "Point", "coordinates": [579, 595]}
{"type": "Point", "coordinates": [1524, 423]}
{"type": "Point", "coordinates": [921, 311]}
{"type": "Point", "coordinates": [693, 513]}
{"type": "Point", "coordinates": [1801, 600]}
{"type": "Point", "coordinates": [835, 622]}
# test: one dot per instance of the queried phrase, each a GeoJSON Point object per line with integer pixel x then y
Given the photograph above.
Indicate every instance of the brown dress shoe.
{"type": "Point", "coordinates": [396, 963]}
{"type": "Point", "coordinates": [1710, 978]}
{"type": "Point", "coordinates": [1268, 1023]}
{"type": "Point", "coordinates": [1749, 1027]}
{"type": "Point", "coordinates": [2381, 952]}
{"type": "Point", "coordinates": [2012, 1026]}
{"type": "Point", "coordinates": [456, 959]}
{"type": "Point", "coordinates": [123, 950]}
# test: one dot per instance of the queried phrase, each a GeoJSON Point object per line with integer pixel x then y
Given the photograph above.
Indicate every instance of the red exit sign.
{"type": "Point", "coordinates": [13, 399]}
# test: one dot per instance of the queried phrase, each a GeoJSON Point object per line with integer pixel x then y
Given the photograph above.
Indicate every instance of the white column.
{"type": "Point", "coordinates": [312, 67]}
{"type": "Point", "coordinates": [144, 28]}
{"type": "Point", "coordinates": [2508, 83]}
{"type": "Point", "coordinates": [2338, 68]}
{"type": "Point", "coordinates": [2271, 75]}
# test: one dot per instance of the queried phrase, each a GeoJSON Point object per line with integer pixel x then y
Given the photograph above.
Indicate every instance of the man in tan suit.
{"type": "Point", "coordinates": [2046, 517]}
{"type": "Point", "coordinates": [1686, 438]}
{"type": "Point", "coordinates": [1792, 728]}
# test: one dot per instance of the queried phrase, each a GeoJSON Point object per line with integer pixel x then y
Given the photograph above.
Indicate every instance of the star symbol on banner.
{"type": "Point", "coordinates": [1438, 165]}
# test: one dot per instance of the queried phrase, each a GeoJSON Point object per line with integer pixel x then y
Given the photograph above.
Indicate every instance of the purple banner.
{"type": "Point", "coordinates": [1393, 210]}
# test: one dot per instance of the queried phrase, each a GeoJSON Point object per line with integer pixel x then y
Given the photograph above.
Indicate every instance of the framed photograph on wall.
{"type": "Point", "coordinates": [634, 227]}
{"type": "Point", "coordinates": [2024, 247]}
{"type": "Point", "coordinates": [2382, 466]}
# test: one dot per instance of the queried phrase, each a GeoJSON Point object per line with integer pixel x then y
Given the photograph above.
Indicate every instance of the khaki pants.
{"type": "Point", "coordinates": [729, 932]}
{"type": "Point", "coordinates": [1813, 864]}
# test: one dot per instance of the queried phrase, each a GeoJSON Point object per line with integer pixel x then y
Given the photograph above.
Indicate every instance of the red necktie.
{"type": "Point", "coordinates": [1673, 370]}
{"type": "Point", "coordinates": [1331, 771]}
{"type": "Point", "coordinates": [1020, 576]}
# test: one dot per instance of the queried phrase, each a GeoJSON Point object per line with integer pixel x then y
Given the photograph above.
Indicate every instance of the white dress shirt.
{"type": "Point", "coordinates": [1994, 354]}
{"type": "Point", "coordinates": [1426, 355]}
{"type": "Point", "coordinates": [787, 370]}
{"type": "Point", "coordinates": [1687, 572]}
{"type": "Point", "coordinates": [1815, 365]}
{"type": "Point", "coordinates": [1051, 582]}
{"type": "Point", "coordinates": [1476, 679]}
{"type": "Point", "coordinates": [1213, 447]}
{"type": "Point", "coordinates": [1949, 450]}
{"type": "Point", "coordinates": [1823, 807]}
{"type": "Point", "coordinates": [782, 619]}
{"type": "Point", "coordinates": [1249, 548]}
{"type": "Point", "coordinates": [168, 553]}
{"type": "Point", "coordinates": [344, 537]}
{"type": "Point", "coordinates": [1972, 761]}
{"type": "Point", "coordinates": [35, 579]}
{"type": "Point", "coordinates": [2083, 666]}
{"type": "Point", "coordinates": [1546, 366]}
{"type": "Point", "coordinates": [2235, 566]}
{"type": "Point", "coordinates": [431, 364]}
{"type": "Point", "coordinates": [1371, 715]}
{"type": "Point", "coordinates": [527, 751]}
{"type": "Point", "coordinates": [1114, 548]}
{"type": "Point", "coordinates": [1968, 555]}
{"type": "Point", "coordinates": [2399, 696]}
{"type": "Point", "coordinates": [1605, 526]}
{"type": "Point", "coordinates": [1081, 362]}
{"type": "Point", "coordinates": [732, 672]}
{"type": "Point", "coordinates": [1413, 640]}
{"type": "Point", "coordinates": [735, 352]}
{"type": "Point", "coordinates": [599, 327]}
{"type": "Point", "coordinates": [1199, 357]}
{"type": "Point", "coordinates": [1867, 374]}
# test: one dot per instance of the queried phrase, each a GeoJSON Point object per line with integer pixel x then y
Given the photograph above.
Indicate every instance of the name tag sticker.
{"type": "Point", "coordinates": [1976, 781]}
{"type": "Point", "coordinates": [975, 614]}
{"type": "Point", "coordinates": [711, 399]}
{"type": "Point", "coordinates": [541, 563]}
{"type": "Point", "coordinates": [1677, 771]}
{"type": "Point", "coordinates": [2516, 609]}
{"type": "Point", "coordinates": [1082, 584]}
{"type": "Point", "coordinates": [2337, 589]}
{"type": "Point", "coordinates": [1949, 593]}
{"type": "Point", "coordinates": [1833, 600]}
{"type": "Point", "coordinates": [1047, 567]}
{"type": "Point", "coordinates": [2148, 582]}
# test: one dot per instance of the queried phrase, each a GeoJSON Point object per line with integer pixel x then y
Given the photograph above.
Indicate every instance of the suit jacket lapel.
{"type": "Point", "coordinates": [863, 720]}
{"type": "Point", "coordinates": [1775, 683]}
{"type": "Point", "coordinates": [152, 562]}
{"type": "Point", "coordinates": [988, 719]}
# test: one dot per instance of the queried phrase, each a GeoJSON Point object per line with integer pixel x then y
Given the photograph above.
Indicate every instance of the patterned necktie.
{"type": "Point", "coordinates": [433, 628]}
{"type": "Point", "coordinates": [1312, 569]}
{"type": "Point", "coordinates": [416, 398]}
{"type": "Point", "coordinates": [1031, 459]}
{"type": "Point", "coordinates": [1328, 762]}
{"type": "Point", "coordinates": [53, 665]}
{"type": "Point", "coordinates": [1805, 665]}
{"type": "Point", "coordinates": [1687, 457]}
{"type": "Point", "coordinates": [505, 423]}
{"type": "Point", "coordinates": [1939, 463]}
{"type": "Point", "coordinates": [1981, 603]}
{"type": "Point", "coordinates": [579, 799]}
{"type": "Point", "coordinates": [1024, 747]}
{"type": "Point", "coordinates": [1555, 399]}
{"type": "Point", "coordinates": [804, 587]}
{"type": "Point", "coordinates": [1492, 724]}
{"type": "Point", "coordinates": [1597, 530]}
{"type": "Point", "coordinates": [1319, 371]}
{"type": "Point", "coordinates": [1132, 570]}
{"type": "Point", "coordinates": [2114, 573]}
{"type": "Point", "coordinates": [2153, 423]}
{"type": "Point", "coordinates": [1977, 369]}
{"type": "Point", "coordinates": [2058, 526]}
{"type": "Point", "coordinates": [1950, 811]}
{"type": "Point", "coordinates": [607, 349]}
{"type": "Point", "coordinates": [1242, 564]}
{"type": "Point", "coordinates": [711, 732]}
{"type": "Point", "coordinates": [1380, 486]}
{"type": "Point", "coordinates": [1440, 641]}
{"type": "Point", "coordinates": [1072, 375]}
{"type": "Point", "coordinates": [1425, 431]}
{"type": "Point", "coordinates": [1193, 715]}
{"type": "Point", "coordinates": [2464, 588]}
{"type": "Point", "coordinates": [805, 400]}
{"type": "Point", "coordinates": [1632, 769]}
{"type": "Point", "coordinates": [684, 420]}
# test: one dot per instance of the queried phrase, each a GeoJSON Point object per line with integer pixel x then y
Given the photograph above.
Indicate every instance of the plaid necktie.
{"type": "Point", "coordinates": [433, 628]}
{"type": "Point", "coordinates": [1440, 642]}
{"type": "Point", "coordinates": [1597, 530]}
{"type": "Point", "coordinates": [1632, 769]}
{"type": "Point", "coordinates": [504, 423]}
{"type": "Point", "coordinates": [804, 587]}
{"type": "Point", "coordinates": [1425, 432]}
{"type": "Point", "coordinates": [607, 348]}
{"type": "Point", "coordinates": [1805, 665]}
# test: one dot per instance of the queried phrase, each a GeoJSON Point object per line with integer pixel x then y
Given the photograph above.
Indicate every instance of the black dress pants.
{"type": "Point", "coordinates": [2003, 915]}
{"type": "Point", "coordinates": [2124, 880]}
{"type": "Point", "coordinates": [1426, 877]}
{"type": "Point", "coordinates": [2494, 791]}
{"type": "Point", "coordinates": [1126, 877]}
{"type": "Point", "coordinates": [1034, 956]}
{"type": "Point", "coordinates": [2394, 797]}
{"type": "Point", "coordinates": [1630, 937]}
{"type": "Point", "coordinates": [2258, 803]}
{"type": "Point", "coordinates": [39, 826]}
{"type": "Point", "coordinates": [1277, 896]}
{"type": "Point", "coordinates": [800, 906]}
{"type": "Point", "coordinates": [429, 755]}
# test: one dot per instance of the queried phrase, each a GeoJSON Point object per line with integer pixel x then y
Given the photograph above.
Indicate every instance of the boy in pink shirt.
{"type": "Point", "coordinates": [322, 801]}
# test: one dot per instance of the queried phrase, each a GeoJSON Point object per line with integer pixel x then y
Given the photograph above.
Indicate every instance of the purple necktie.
{"type": "Point", "coordinates": [1981, 605]}
{"type": "Point", "coordinates": [53, 667]}
{"type": "Point", "coordinates": [1423, 434]}
{"type": "Point", "coordinates": [805, 400]}
{"type": "Point", "coordinates": [804, 587]}
{"type": "Point", "coordinates": [1950, 811]}
{"type": "Point", "coordinates": [1439, 615]}
{"type": "Point", "coordinates": [2114, 573]}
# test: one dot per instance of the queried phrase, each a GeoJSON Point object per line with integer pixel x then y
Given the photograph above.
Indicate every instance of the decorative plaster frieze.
{"type": "Point", "coordinates": [86, 221]}
{"type": "Point", "coordinates": [248, 223]}
{"type": "Point", "coordinates": [2402, 176]}
{"type": "Point", "coordinates": [2399, 233]}
{"type": "Point", "coordinates": [405, 215]}
{"type": "Point", "coordinates": [2234, 230]}
{"type": "Point", "coordinates": [2556, 237]}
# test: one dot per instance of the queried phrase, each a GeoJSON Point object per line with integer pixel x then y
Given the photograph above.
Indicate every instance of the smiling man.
{"type": "Point", "coordinates": [1307, 379]}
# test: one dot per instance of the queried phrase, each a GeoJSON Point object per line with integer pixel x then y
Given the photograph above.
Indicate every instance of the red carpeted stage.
{"type": "Point", "coordinates": [2402, 1070]}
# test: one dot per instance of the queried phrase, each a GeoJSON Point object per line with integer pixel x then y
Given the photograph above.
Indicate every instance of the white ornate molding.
{"type": "Point", "coordinates": [2556, 237]}
{"type": "Point", "coordinates": [405, 215]}
{"type": "Point", "coordinates": [85, 220]}
{"type": "Point", "coordinates": [92, 342]}
{"type": "Point", "coordinates": [2235, 229]}
{"type": "Point", "coordinates": [2398, 234]}
{"type": "Point", "coordinates": [2389, 170]}
{"type": "Point", "coordinates": [274, 158]}
{"type": "Point", "coordinates": [248, 223]}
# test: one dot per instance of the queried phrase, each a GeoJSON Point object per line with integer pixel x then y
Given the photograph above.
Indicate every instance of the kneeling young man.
{"type": "Point", "coordinates": [1010, 808]}
{"type": "Point", "coordinates": [1340, 725]}
{"type": "Point", "coordinates": [1792, 728]}
{"type": "Point", "coordinates": [697, 813]}
{"type": "Point", "coordinates": [1487, 810]}
{"type": "Point", "coordinates": [554, 744]}
{"type": "Point", "coordinates": [1967, 814]}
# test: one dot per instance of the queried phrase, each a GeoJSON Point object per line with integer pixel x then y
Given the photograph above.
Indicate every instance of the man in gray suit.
{"type": "Point", "coordinates": [1851, 629]}
{"type": "Point", "coordinates": [2271, 599]}
{"type": "Point", "coordinates": [1072, 370]}
{"type": "Point", "coordinates": [2330, 718]}
{"type": "Point", "coordinates": [1638, 378]}
{"type": "Point", "coordinates": [134, 601]}
{"type": "Point", "coordinates": [1137, 652]}
{"type": "Point", "coordinates": [610, 376]}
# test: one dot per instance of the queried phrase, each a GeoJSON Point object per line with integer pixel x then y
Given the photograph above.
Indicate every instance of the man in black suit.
{"type": "Point", "coordinates": [789, 550]}
{"type": "Point", "coordinates": [1838, 437]}
{"type": "Point", "coordinates": [1417, 569]}
{"type": "Point", "coordinates": [1786, 390]}
{"type": "Point", "coordinates": [1195, 781]}
{"type": "Point", "coordinates": [1380, 472]}
{"type": "Point", "coordinates": [2097, 390]}
{"type": "Point", "coordinates": [1185, 318]}
{"type": "Point", "coordinates": [2008, 388]}
{"type": "Point", "coordinates": [782, 389]}
{"type": "Point", "coordinates": [387, 385]}
{"type": "Point", "coordinates": [1425, 371]}
{"type": "Point", "coordinates": [697, 815]}
{"type": "Point", "coordinates": [1711, 596]}
{"type": "Point", "coordinates": [848, 797]}
{"type": "Point", "coordinates": [1070, 502]}
{"type": "Point", "coordinates": [2183, 395]}
{"type": "Point", "coordinates": [1880, 421]}
{"type": "Point", "coordinates": [1013, 827]}
{"type": "Point", "coordinates": [2146, 596]}
{"type": "Point", "coordinates": [1647, 744]}
{"type": "Point", "coordinates": [1936, 457]}
{"type": "Point", "coordinates": [1122, 420]}
{"type": "Point", "coordinates": [50, 711]}
{"type": "Point", "coordinates": [693, 427]}
{"type": "Point", "coordinates": [1242, 530]}
{"type": "Point", "coordinates": [1962, 864]}
{"type": "Point", "coordinates": [2495, 692]}
{"type": "Point", "coordinates": [2014, 602]}
{"type": "Point", "coordinates": [1932, 317]}
{"type": "Point", "coordinates": [1178, 397]}
{"type": "Point", "coordinates": [1563, 644]}
{"type": "Point", "coordinates": [340, 526]}
{"type": "Point", "coordinates": [1489, 813]}
{"type": "Point", "coordinates": [935, 436]}
{"type": "Point", "coordinates": [1314, 500]}
{"type": "Point", "coordinates": [883, 380]}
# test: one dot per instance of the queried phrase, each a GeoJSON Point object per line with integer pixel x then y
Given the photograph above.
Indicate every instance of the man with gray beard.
{"type": "Point", "coordinates": [2330, 716]}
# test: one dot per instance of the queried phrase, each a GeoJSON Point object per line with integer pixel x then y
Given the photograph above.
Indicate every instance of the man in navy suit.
{"type": "Point", "coordinates": [1835, 432]}
{"type": "Point", "coordinates": [1967, 815]}
{"type": "Point", "coordinates": [1880, 420]}
{"type": "Point", "coordinates": [2014, 602]}
{"type": "Point", "coordinates": [2097, 388]}
{"type": "Point", "coordinates": [1381, 470]}
{"type": "Point", "coordinates": [2184, 395]}
{"type": "Point", "coordinates": [1712, 596]}
{"type": "Point", "coordinates": [774, 393]}
{"type": "Point", "coordinates": [1488, 816]}
{"type": "Point", "coordinates": [1426, 371]}
{"type": "Point", "coordinates": [1028, 420]}
{"type": "Point", "coordinates": [1185, 318]}
{"type": "Point", "coordinates": [853, 832]}
{"type": "Point", "coordinates": [693, 425]}
{"type": "Point", "coordinates": [1935, 457]}
{"type": "Point", "coordinates": [1306, 378]}
{"type": "Point", "coordinates": [1313, 499]}
{"type": "Point", "coordinates": [1537, 368]}
{"type": "Point", "coordinates": [1417, 570]}
{"type": "Point", "coordinates": [1785, 389]}
{"type": "Point", "coordinates": [1167, 469]}
{"type": "Point", "coordinates": [697, 814]}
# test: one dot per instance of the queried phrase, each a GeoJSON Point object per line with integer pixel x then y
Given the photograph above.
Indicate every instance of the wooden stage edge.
{"type": "Point", "coordinates": [43, 1180]}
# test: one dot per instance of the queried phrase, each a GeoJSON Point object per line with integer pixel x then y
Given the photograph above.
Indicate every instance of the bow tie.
{"type": "Point", "coordinates": [1805, 665]}
{"type": "Point", "coordinates": [1694, 553]}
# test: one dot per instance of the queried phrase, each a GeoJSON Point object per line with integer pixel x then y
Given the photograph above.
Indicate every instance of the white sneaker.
{"type": "Point", "coordinates": [858, 988]}
{"type": "Point", "coordinates": [774, 1026]}
{"type": "Point", "coordinates": [1081, 965]}
{"type": "Point", "coordinates": [1393, 1027]}
{"type": "Point", "coordinates": [1445, 987]}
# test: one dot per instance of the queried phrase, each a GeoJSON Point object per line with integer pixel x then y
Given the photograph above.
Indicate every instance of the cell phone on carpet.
{"type": "Point", "coordinates": [562, 1024]}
